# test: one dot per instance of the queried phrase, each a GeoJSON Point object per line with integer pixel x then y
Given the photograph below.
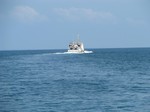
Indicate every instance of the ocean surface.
{"type": "Point", "coordinates": [107, 80]}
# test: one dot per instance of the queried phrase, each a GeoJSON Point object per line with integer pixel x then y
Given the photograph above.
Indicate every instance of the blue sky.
{"type": "Point", "coordinates": [52, 24]}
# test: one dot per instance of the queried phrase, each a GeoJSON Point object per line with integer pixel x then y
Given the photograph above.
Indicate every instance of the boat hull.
{"type": "Point", "coordinates": [75, 51]}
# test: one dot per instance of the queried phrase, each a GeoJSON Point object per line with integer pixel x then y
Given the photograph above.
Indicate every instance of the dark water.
{"type": "Point", "coordinates": [108, 80]}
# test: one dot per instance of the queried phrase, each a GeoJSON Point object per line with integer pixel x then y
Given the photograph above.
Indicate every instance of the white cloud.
{"type": "Point", "coordinates": [135, 21]}
{"type": "Point", "coordinates": [26, 13]}
{"type": "Point", "coordinates": [84, 14]}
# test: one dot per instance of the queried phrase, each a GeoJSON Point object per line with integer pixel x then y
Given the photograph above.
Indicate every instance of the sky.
{"type": "Point", "coordinates": [52, 24]}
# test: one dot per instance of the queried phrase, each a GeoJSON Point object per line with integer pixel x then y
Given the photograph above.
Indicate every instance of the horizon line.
{"type": "Point", "coordinates": [66, 48]}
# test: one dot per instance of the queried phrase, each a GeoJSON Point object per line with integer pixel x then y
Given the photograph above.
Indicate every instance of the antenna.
{"type": "Point", "coordinates": [78, 38]}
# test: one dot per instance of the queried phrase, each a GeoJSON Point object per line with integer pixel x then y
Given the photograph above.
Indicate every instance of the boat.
{"type": "Point", "coordinates": [76, 46]}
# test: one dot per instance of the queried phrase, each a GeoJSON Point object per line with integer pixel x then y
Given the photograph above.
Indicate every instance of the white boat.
{"type": "Point", "coordinates": [76, 47]}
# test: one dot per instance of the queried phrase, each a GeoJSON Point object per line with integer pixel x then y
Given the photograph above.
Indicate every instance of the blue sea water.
{"type": "Point", "coordinates": [107, 80]}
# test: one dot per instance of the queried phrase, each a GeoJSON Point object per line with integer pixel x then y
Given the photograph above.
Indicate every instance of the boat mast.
{"type": "Point", "coordinates": [78, 38]}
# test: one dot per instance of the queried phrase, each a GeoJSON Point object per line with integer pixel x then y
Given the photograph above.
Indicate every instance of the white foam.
{"type": "Point", "coordinates": [88, 51]}
{"type": "Point", "coordinates": [85, 52]}
{"type": "Point", "coordinates": [60, 53]}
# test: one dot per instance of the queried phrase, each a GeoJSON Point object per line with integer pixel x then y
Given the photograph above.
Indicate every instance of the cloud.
{"type": "Point", "coordinates": [135, 21]}
{"type": "Point", "coordinates": [26, 13]}
{"type": "Point", "coordinates": [84, 14]}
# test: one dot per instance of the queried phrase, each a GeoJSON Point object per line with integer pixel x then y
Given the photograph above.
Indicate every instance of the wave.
{"type": "Point", "coordinates": [85, 52]}
{"type": "Point", "coordinates": [46, 54]}
{"type": "Point", "coordinates": [88, 51]}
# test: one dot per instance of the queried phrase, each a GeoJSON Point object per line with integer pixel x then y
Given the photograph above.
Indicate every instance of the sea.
{"type": "Point", "coordinates": [104, 80]}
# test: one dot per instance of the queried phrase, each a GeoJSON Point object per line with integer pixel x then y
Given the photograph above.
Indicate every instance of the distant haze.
{"type": "Point", "coordinates": [52, 24]}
